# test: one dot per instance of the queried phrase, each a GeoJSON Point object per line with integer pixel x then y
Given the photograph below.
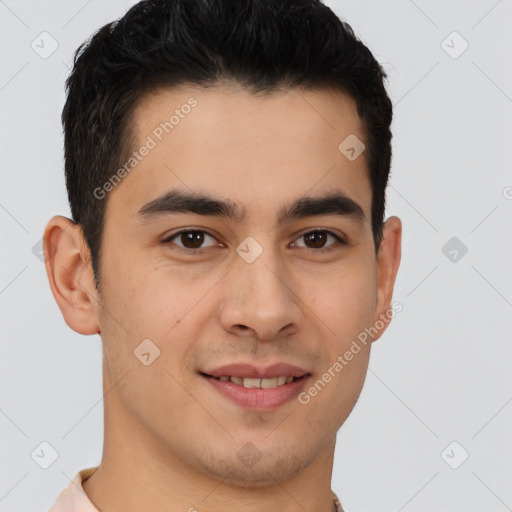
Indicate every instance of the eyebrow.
{"type": "Point", "coordinates": [177, 201]}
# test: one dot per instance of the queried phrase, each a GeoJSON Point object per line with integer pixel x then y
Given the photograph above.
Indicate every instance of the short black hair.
{"type": "Point", "coordinates": [263, 45]}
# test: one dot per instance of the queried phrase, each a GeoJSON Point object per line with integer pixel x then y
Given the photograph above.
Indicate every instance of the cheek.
{"type": "Point", "coordinates": [344, 307]}
{"type": "Point", "coordinates": [140, 307]}
{"type": "Point", "coordinates": [331, 396]}
{"type": "Point", "coordinates": [345, 301]}
{"type": "Point", "coordinates": [148, 301]}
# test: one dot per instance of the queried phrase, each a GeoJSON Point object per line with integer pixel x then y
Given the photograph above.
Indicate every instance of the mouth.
{"type": "Point", "coordinates": [253, 383]}
{"type": "Point", "coordinates": [254, 392]}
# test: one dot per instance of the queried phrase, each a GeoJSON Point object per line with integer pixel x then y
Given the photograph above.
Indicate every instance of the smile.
{"type": "Point", "coordinates": [248, 382]}
{"type": "Point", "coordinates": [257, 394]}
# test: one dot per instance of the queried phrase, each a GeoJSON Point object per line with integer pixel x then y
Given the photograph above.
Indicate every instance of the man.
{"type": "Point", "coordinates": [226, 165]}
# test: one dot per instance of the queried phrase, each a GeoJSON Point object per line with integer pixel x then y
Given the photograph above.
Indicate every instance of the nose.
{"type": "Point", "coordinates": [260, 300]}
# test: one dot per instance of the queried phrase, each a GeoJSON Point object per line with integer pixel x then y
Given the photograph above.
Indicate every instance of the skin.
{"type": "Point", "coordinates": [171, 441]}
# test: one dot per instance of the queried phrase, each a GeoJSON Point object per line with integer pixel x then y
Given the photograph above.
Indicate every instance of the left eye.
{"type": "Point", "coordinates": [319, 236]}
{"type": "Point", "coordinates": [192, 240]}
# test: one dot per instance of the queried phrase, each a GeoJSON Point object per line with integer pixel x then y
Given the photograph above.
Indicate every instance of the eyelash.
{"type": "Point", "coordinates": [339, 240]}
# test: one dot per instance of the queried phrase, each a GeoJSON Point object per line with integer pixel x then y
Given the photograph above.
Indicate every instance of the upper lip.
{"type": "Point", "coordinates": [257, 372]}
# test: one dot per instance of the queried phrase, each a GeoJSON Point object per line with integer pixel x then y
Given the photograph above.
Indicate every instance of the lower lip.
{"type": "Point", "coordinates": [257, 398]}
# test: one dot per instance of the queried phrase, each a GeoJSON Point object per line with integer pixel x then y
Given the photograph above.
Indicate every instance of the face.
{"type": "Point", "coordinates": [267, 285]}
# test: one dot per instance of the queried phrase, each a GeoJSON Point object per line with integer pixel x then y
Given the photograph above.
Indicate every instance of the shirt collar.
{"type": "Point", "coordinates": [74, 499]}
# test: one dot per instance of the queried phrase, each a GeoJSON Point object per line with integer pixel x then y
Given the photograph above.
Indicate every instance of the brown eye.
{"type": "Point", "coordinates": [318, 238]}
{"type": "Point", "coordinates": [189, 239]}
{"type": "Point", "coordinates": [194, 238]}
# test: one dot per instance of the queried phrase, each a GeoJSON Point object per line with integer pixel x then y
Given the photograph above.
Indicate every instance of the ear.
{"type": "Point", "coordinates": [69, 269]}
{"type": "Point", "coordinates": [388, 261]}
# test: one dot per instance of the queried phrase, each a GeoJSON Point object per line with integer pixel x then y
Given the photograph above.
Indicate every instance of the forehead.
{"type": "Point", "coordinates": [239, 116]}
{"type": "Point", "coordinates": [255, 149]}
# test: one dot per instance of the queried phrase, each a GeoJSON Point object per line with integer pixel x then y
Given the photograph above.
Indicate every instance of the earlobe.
{"type": "Point", "coordinates": [388, 261]}
{"type": "Point", "coordinates": [69, 271]}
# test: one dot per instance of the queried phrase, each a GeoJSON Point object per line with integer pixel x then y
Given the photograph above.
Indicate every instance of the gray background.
{"type": "Point", "coordinates": [441, 372]}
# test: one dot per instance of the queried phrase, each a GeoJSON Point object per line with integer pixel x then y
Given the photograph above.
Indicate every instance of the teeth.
{"type": "Point", "coordinates": [269, 383]}
{"type": "Point", "coordinates": [252, 383]}
{"type": "Point", "coordinates": [258, 383]}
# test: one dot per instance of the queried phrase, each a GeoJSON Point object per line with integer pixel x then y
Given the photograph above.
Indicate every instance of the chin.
{"type": "Point", "coordinates": [261, 476]}
{"type": "Point", "coordinates": [267, 471]}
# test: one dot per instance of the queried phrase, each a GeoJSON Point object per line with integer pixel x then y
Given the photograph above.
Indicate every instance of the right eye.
{"type": "Point", "coordinates": [191, 239]}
